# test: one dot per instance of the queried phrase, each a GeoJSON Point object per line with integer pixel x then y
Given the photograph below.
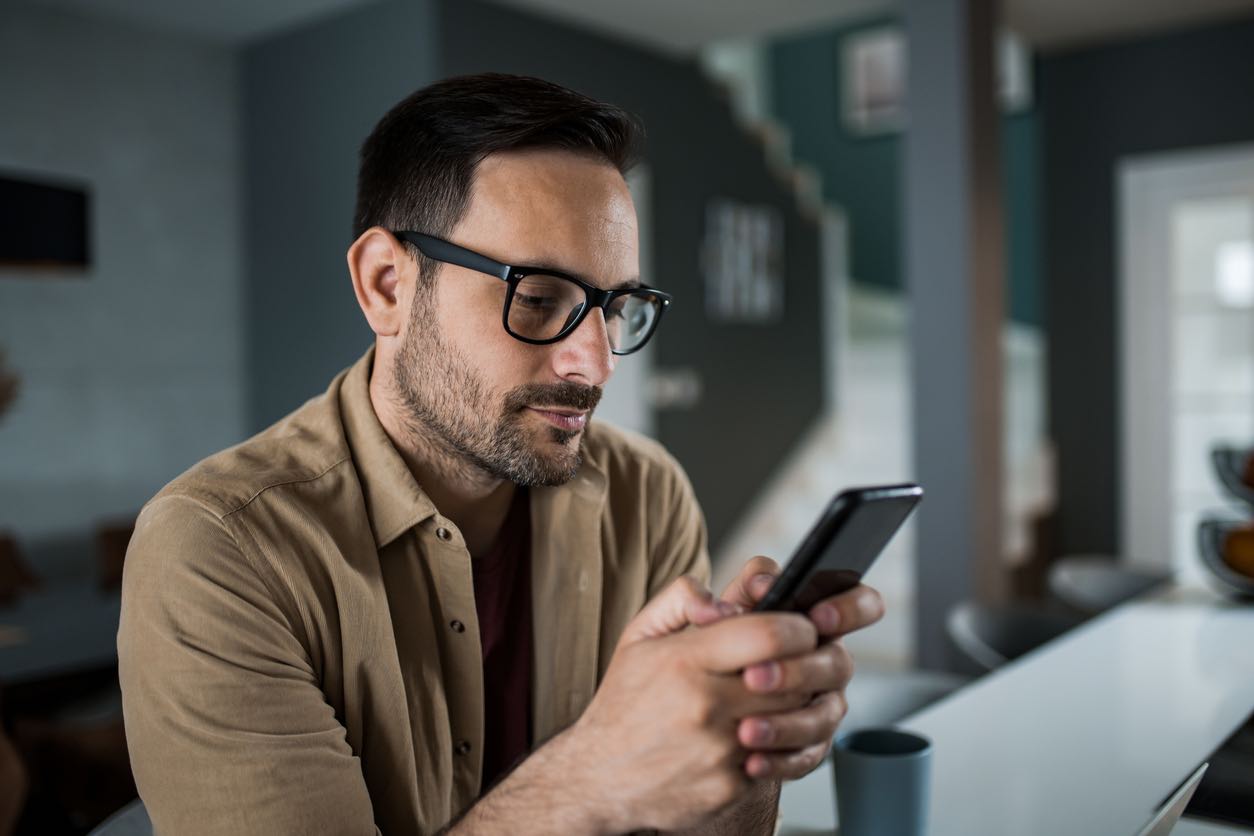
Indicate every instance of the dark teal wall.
{"type": "Point", "coordinates": [310, 96]}
{"type": "Point", "coordinates": [863, 174]}
{"type": "Point", "coordinates": [1182, 90]}
{"type": "Point", "coordinates": [1021, 167]}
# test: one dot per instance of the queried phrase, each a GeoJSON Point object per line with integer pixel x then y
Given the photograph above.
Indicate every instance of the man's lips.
{"type": "Point", "coordinates": [566, 419]}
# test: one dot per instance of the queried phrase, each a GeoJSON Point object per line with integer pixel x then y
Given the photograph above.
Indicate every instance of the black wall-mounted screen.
{"type": "Point", "coordinates": [42, 224]}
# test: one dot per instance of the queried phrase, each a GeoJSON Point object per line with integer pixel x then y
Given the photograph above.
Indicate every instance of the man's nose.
{"type": "Point", "coordinates": [585, 356]}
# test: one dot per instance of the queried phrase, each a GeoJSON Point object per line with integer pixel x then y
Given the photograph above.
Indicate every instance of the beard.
{"type": "Point", "coordinates": [445, 402]}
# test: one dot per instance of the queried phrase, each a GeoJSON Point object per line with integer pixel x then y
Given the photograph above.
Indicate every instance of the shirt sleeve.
{"type": "Point", "coordinates": [681, 548]}
{"type": "Point", "coordinates": [228, 729]}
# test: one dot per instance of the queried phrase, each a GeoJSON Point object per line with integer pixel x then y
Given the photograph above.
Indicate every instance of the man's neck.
{"type": "Point", "coordinates": [476, 501]}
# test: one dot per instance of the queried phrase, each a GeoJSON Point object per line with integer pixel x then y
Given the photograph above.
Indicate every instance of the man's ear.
{"type": "Point", "coordinates": [380, 267]}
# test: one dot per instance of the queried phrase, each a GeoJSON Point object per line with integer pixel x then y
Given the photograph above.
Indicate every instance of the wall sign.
{"type": "Point", "coordinates": [42, 224]}
{"type": "Point", "coordinates": [743, 262]}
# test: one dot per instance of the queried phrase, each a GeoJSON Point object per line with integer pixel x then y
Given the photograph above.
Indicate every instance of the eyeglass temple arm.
{"type": "Point", "coordinates": [453, 254]}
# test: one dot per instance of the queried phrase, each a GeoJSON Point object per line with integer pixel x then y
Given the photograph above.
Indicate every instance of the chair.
{"type": "Point", "coordinates": [989, 637]}
{"type": "Point", "coordinates": [15, 575]}
{"type": "Point", "coordinates": [13, 785]}
{"type": "Point", "coordinates": [1092, 584]}
{"type": "Point", "coordinates": [131, 820]}
{"type": "Point", "coordinates": [79, 772]}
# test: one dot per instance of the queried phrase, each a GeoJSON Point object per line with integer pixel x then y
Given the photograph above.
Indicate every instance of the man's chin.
{"type": "Point", "coordinates": [544, 455]}
{"type": "Point", "coordinates": [549, 474]}
{"type": "Point", "coordinates": [557, 459]}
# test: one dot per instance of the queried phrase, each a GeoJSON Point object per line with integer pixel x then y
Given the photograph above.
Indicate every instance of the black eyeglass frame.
{"type": "Point", "coordinates": [450, 253]}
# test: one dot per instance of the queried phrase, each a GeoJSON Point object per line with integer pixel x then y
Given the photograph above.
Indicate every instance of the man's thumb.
{"type": "Point", "coordinates": [685, 602]}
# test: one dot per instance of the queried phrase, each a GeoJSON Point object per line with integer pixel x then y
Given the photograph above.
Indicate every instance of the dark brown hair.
{"type": "Point", "coordinates": [418, 164]}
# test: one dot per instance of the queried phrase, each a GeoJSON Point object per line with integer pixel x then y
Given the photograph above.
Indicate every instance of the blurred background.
{"type": "Point", "coordinates": [1004, 251]}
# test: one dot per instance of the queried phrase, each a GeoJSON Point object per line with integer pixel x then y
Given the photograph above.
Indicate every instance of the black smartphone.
{"type": "Point", "coordinates": [842, 545]}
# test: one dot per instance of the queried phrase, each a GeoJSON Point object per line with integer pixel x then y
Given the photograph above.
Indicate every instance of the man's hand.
{"type": "Point", "coordinates": [662, 745]}
{"type": "Point", "coordinates": [657, 747]}
{"type": "Point", "coordinates": [789, 744]}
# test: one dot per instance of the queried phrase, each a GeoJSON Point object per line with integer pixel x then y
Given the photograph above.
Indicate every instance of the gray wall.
{"type": "Point", "coordinates": [132, 371]}
{"type": "Point", "coordinates": [1184, 90]}
{"type": "Point", "coordinates": [310, 97]}
{"type": "Point", "coordinates": [762, 384]}
{"type": "Point", "coordinates": [223, 188]}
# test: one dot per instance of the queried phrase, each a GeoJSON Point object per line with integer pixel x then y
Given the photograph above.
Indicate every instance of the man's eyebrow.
{"type": "Point", "coordinates": [547, 267]}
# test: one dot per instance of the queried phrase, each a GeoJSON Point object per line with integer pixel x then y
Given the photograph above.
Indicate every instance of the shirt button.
{"type": "Point", "coordinates": [462, 747]}
{"type": "Point", "coordinates": [444, 534]}
{"type": "Point", "coordinates": [457, 626]}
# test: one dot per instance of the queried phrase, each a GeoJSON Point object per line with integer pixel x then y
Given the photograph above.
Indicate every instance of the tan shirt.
{"type": "Point", "coordinates": [299, 651]}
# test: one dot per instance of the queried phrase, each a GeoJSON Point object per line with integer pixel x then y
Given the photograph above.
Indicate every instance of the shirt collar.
{"type": "Point", "coordinates": [394, 501]}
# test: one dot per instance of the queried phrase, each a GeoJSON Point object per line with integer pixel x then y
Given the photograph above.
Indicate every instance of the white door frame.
{"type": "Point", "coordinates": [1148, 187]}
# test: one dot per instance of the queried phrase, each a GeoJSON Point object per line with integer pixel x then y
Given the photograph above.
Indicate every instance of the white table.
{"type": "Point", "coordinates": [1087, 735]}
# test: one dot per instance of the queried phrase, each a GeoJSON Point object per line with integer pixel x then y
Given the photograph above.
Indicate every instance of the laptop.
{"type": "Point", "coordinates": [1167, 816]}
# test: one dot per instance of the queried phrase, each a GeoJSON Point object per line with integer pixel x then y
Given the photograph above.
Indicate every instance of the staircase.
{"type": "Point", "coordinates": [864, 435]}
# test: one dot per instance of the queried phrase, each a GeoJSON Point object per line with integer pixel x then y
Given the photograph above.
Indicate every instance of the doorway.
{"type": "Point", "coordinates": [1187, 344]}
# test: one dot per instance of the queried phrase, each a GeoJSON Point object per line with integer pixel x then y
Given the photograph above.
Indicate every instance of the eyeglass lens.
{"type": "Point", "coordinates": [543, 306]}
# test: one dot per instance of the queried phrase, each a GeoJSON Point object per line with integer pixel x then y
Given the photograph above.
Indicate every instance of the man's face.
{"type": "Point", "coordinates": [514, 410]}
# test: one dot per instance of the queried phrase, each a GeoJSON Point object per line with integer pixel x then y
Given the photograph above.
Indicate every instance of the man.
{"type": "Point", "coordinates": [436, 598]}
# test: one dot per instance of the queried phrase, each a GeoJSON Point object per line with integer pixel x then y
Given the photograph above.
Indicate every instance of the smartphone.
{"type": "Point", "coordinates": [842, 545]}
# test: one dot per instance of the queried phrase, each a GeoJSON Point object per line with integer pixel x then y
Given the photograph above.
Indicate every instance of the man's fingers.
{"type": "Point", "coordinates": [816, 723]}
{"type": "Point", "coordinates": [859, 607]}
{"type": "Point", "coordinates": [786, 766]}
{"type": "Point", "coordinates": [686, 601]}
{"type": "Point", "coordinates": [752, 583]}
{"type": "Point", "coordinates": [737, 643]}
{"type": "Point", "coordinates": [829, 668]}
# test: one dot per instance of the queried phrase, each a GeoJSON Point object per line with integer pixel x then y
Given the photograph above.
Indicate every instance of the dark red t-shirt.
{"type": "Point", "coordinates": [502, 580]}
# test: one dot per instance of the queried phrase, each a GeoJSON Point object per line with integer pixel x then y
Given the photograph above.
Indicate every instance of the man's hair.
{"type": "Point", "coordinates": [418, 164]}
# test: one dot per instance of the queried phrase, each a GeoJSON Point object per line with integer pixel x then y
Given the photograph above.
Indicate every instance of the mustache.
{"type": "Point", "coordinates": [567, 394]}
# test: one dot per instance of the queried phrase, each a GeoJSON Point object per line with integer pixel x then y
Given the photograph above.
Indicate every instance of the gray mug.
{"type": "Point", "coordinates": [882, 778]}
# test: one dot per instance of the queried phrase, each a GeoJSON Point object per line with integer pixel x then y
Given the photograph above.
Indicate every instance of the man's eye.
{"type": "Point", "coordinates": [538, 302]}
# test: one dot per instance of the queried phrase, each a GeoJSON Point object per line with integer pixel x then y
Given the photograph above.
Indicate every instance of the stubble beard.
{"type": "Point", "coordinates": [447, 405]}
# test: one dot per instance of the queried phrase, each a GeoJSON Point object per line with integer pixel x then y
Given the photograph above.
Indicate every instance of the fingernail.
{"type": "Point", "coordinates": [870, 608]}
{"type": "Point", "coordinates": [758, 767]}
{"type": "Point", "coordinates": [827, 618]}
{"type": "Point", "coordinates": [763, 732]}
{"type": "Point", "coordinates": [761, 583]}
{"type": "Point", "coordinates": [764, 676]}
{"type": "Point", "coordinates": [726, 608]}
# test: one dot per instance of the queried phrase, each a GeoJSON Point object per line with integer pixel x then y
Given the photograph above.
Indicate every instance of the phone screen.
{"type": "Point", "coordinates": [842, 545]}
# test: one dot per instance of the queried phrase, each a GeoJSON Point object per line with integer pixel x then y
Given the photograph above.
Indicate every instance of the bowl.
{"type": "Point", "coordinates": [1211, 537]}
{"type": "Point", "coordinates": [1232, 465]}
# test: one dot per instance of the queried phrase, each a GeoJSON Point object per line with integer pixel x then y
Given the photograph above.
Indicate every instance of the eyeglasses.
{"type": "Point", "coordinates": [544, 305]}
